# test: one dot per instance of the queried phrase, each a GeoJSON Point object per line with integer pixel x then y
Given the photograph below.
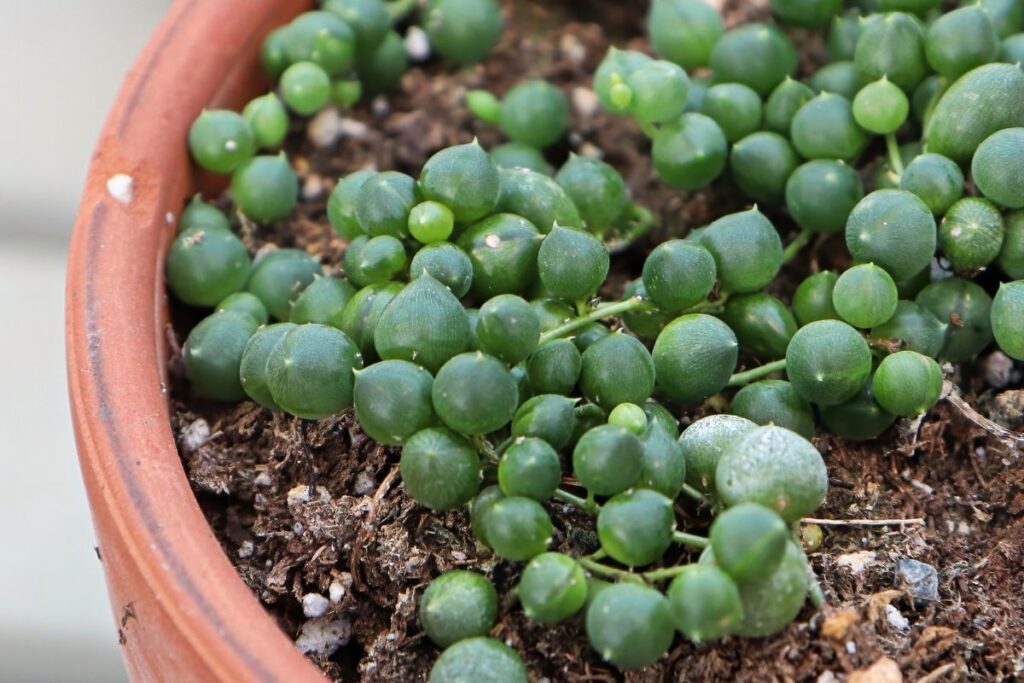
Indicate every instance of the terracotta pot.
{"type": "Point", "coordinates": [183, 612]}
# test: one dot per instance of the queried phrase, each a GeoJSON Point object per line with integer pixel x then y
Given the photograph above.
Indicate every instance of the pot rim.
{"type": "Point", "coordinates": [148, 520]}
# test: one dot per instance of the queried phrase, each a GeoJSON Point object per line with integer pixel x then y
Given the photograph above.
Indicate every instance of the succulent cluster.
{"type": "Point", "coordinates": [466, 323]}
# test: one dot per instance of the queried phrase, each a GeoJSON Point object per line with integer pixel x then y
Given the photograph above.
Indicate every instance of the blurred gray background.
{"type": "Point", "coordinates": [64, 60]}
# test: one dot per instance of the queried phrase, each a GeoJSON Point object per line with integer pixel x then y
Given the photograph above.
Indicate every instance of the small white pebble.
{"type": "Point", "coordinates": [263, 480]}
{"type": "Point", "coordinates": [826, 677]}
{"type": "Point", "coordinates": [336, 592]}
{"type": "Point", "coordinates": [365, 484]}
{"type": "Point", "coordinates": [119, 187]}
{"type": "Point", "coordinates": [997, 369]}
{"type": "Point", "coordinates": [314, 605]}
{"type": "Point", "coordinates": [572, 48]}
{"type": "Point", "coordinates": [246, 549]}
{"type": "Point", "coordinates": [458, 556]}
{"type": "Point", "coordinates": [325, 128]}
{"type": "Point", "coordinates": [896, 619]}
{"type": "Point", "coordinates": [591, 151]}
{"type": "Point", "coordinates": [585, 101]}
{"type": "Point", "coordinates": [322, 636]}
{"type": "Point", "coordinates": [299, 494]}
{"type": "Point", "coordinates": [303, 494]}
{"type": "Point", "coordinates": [417, 44]}
{"type": "Point", "coordinates": [313, 188]}
{"type": "Point", "coordinates": [857, 562]}
{"type": "Point", "coordinates": [922, 487]}
{"type": "Point", "coordinates": [352, 128]}
{"type": "Point", "coordinates": [194, 435]}
{"type": "Point", "coordinates": [851, 647]}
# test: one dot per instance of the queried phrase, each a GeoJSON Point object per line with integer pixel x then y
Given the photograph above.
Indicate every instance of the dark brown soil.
{"type": "Point", "coordinates": [318, 508]}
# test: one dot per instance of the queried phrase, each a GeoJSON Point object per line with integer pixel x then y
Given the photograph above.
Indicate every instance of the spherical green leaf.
{"type": "Point", "coordinates": [608, 460]}
{"type": "Point", "coordinates": [481, 660]}
{"type": "Point", "coordinates": [280, 276]}
{"type": "Point", "coordinates": [252, 370]}
{"type": "Point", "coordinates": [265, 188]}
{"type": "Point", "coordinates": [749, 541]}
{"type": "Point", "coordinates": [965, 308]}
{"type": "Point", "coordinates": [629, 625]}
{"type": "Point", "coordinates": [635, 527]}
{"type": "Point", "coordinates": [824, 128]}
{"type": "Point", "coordinates": [907, 383]}
{"type": "Point", "coordinates": [703, 443]}
{"type": "Point", "coordinates": [212, 355]}
{"type": "Point", "coordinates": [705, 603]}
{"type": "Point", "coordinates": [503, 249]}
{"type": "Point", "coordinates": [309, 371]}
{"type": "Point", "coordinates": [938, 181]}
{"type": "Point", "coordinates": [893, 229]}
{"type": "Point", "coordinates": [979, 103]}
{"type": "Point", "coordinates": [465, 179]}
{"type": "Point", "coordinates": [812, 300]}
{"type": "Point", "coordinates": [474, 394]}
{"type": "Point", "coordinates": [690, 153]}
{"type": "Point", "coordinates": [684, 31]}
{"type": "Point", "coordinates": [204, 266]}
{"type": "Point", "coordinates": [463, 31]}
{"type": "Point", "coordinates": [617, 369]}
{"type": "Point", "coordinates": [440, 469]}
{"type": "Point", "coordinates": [530, 468]}
{"type": "Point", "coordinates": [690, 342]}
{"type": "Point", "coordinates": [960, 41]}
{"type": "Point", "coordinates": [572, 263]}
{"type": "Point", "coordinates": [774, 401]}
{"type": "Point", "coordinates": [998, 167]}
{"type": "Point", "coordinates": [1008, 318]}
{"type": "Point", "coordinates": [548, 417]}
{"type": "Point", "coordinates": [828, 362]}
{"type": "Point", "coordinates": [458, 605]}
{"type": "Point", "coordinates": [754, 54]}
{"type": "Point", "coordinates": [553, 587]}
{"type": "Point", "coordinates": [776, 468]}
{"type": "Point", "coordinates": [971, 234]}
{"type": "Point", "coordinates": [393, 400]}
{"type": "Point", "coordinates": [518, 529]}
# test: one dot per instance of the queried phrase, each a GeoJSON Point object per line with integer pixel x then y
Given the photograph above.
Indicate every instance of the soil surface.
{"type": "Point", "coordinates": [317, 508]}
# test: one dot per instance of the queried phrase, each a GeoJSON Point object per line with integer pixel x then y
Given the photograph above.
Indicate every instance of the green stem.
{"type": "Point", "coordinates": [648, 128]}
{"type": "Point", "coordinates": [600, 312]}
{"type": "Point", "coordinates": [683, 538]}
{"type": "Point", "coordinates": [606, 571]}
{"type": "Point", "coordinates": [398, 9]}
{"type": "Point", "coordinates": [693, 493]}
{"type": "Point", "coordinates": [643, 221]}
{"type": "Point", "coordinates": [489, 452]}
{"type": "Point", "coordinates": [716, 306]}
{"type": "Point", "coordinates": [798, 243]}
{"type": "Point", "coordinates": [588, 506]}
{"type": "Point", "coordinates": [666, 573]}
{"type": "Point", "coordinates": [640, 223]}
{"type": "Point", "coordinates": [741, 379]}
{"type": "Point", "coordinates": [895, 158]}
